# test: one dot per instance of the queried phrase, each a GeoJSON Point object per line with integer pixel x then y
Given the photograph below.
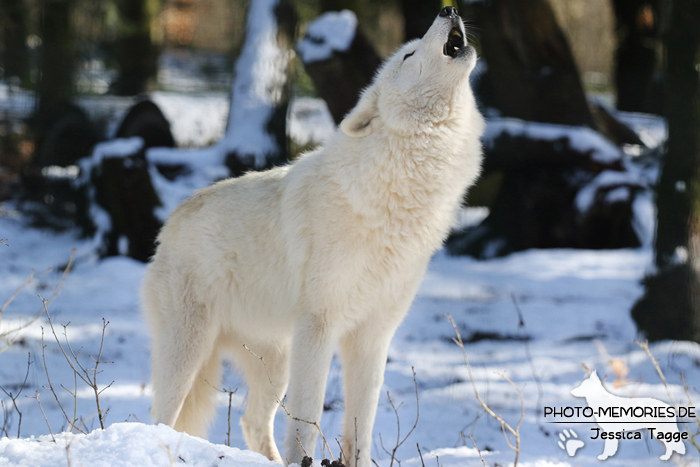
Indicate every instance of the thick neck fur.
{"type": "Point", "coordinates": [405, 182]}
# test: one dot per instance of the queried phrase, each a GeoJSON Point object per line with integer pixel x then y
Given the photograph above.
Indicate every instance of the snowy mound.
{"type": "Point", "coordinates": [125, 444]}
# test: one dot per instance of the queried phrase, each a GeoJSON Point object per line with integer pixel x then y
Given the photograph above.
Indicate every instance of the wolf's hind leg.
{"type": "Point", "coordinates": [199, 406]}
{"type": "Point", "coordinates": [185, 365]}
{"type": "Point", "coordinates": [267, 384]}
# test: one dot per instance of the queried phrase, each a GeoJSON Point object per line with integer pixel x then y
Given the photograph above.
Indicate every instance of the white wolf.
{"type": "Point", "coordinates": [598, 397]}
{"type": "Point", "coordinates": [328, 251]}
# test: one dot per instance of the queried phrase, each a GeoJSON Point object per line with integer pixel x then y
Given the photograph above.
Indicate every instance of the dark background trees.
{"type": "Point", "coordinates": [670, 308]}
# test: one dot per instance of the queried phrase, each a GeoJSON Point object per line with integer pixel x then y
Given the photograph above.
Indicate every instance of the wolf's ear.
{"type": "Point", "coordinates": [362, 120]}
{"type": "Point", "coordinates": [594, 375]}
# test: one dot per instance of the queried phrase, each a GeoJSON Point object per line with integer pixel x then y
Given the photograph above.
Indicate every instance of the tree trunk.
{"type": "Point", "coordinates": [635, 57]}
{"type": "Point", "coordinates": [134, 51]}
{"type": "Point", "coordinates": [255, 136]}
{"type": "Point", "coordinates": [670, 308]}
{"type": "Point", "coordinates": [532, 74]}
{"type": "Point", "coordinates": [57, 59]}
{"type": "Point", "coordinates": [15, 59]}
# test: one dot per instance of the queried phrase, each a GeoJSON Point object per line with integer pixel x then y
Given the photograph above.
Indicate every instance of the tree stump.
{"type": "Point", "coordinates": [123, 188]}
{"type": "Point", "coordinates": [339, 59]}
{"type": "Point", "coordinates": [557, 190]}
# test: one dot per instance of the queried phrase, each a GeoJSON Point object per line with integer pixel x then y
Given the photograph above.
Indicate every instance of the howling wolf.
{"type": "Point", "coordinates": [328, 251]}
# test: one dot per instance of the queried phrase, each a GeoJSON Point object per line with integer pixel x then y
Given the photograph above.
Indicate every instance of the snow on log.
{"type": "Point", "coordinates": [581, 139]}
{"type": "Point", "coordinates": [121, 201]}
{"type": "Point", "coordinates": [329, 33]}
{"type": "Point", "coordinates": [339, 59]}
{"type": "Point", "coordinates": [557, 187]}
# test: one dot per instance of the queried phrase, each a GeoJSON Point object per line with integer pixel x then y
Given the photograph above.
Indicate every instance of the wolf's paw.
{"type": "Point", "coordinates": [569, 443]}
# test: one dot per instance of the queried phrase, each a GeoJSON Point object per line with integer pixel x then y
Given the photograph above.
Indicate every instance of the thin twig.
{"type": "Point", "coordinates": [36, 396]}
{"type": "Point", "coordinates": [400, 441]}
{"type": "Point", "coordinates": [230, 398]}
{"type": "Point", "coordinates": [50, 388]}
{"type": "Point", "coordinates": [421, 456]}
{"type": "Point", "coordinates": [284, 407]}
{"type": "Point", "coordinates": [36, 316]}
{"type": "Point", "coordinates": [13, 398]}
{"type": "Point", "coordinates": [87, 375]}
{"type": "Point", "coordinates": [478, 450]}
{"type": "Point", "coordinates": [528, 355]}
{"type": "Point", "coordinates": [515, 432]}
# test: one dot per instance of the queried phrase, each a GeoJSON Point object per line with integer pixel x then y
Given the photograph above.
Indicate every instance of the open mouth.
{"type": "Point", "coordinates": [455, 42]}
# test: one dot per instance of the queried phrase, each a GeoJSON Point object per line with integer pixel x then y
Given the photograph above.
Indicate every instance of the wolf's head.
{"type": "Point", "coordinates": [421, 84]}
{"type": "Point", "coordinates": [589, 387]}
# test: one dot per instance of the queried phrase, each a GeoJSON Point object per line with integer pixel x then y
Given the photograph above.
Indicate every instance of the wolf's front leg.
{"type": "Point", "coordinates": [363, 354]}
{"type": "Point", "coordinates": [312, 352]}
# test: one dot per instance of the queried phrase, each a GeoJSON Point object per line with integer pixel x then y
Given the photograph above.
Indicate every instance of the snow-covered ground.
{"type": "Point", "coordinates": [574, 304]}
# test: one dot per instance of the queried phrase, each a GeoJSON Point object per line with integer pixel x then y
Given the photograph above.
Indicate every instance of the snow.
{"type": "Point", "coordinates": [310, 121]}
{"type": "Point", "coordinates": [471, 217]}
{"type": "Point", "coordinates": [196, 120]}
{"type": "Point", "coordinates": [116, 148]}
{"type": "Point", "coordinates": [125, 444]}
{"type": "Point", "coordinates": [606, 178]}
{"type": "Point", "coordinates": [55, 171]}
{"type": "Point", "coordinates": [569, 300]}
{"type": "Point", "coordinates": [331, 32]}
{"type": "Point", "coordinates": [644, 220]}
{"type": "Point", "coordinates": [652, 129]}
{"type": "Point", "coordinates": [581, 139]}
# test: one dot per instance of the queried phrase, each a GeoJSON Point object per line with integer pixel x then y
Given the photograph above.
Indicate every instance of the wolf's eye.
{"type": "Point", "coordinates": [408, 55]}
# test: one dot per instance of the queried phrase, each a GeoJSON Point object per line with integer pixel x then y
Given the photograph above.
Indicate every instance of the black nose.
{"type": "Point", "coordinates": [448, 11]}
